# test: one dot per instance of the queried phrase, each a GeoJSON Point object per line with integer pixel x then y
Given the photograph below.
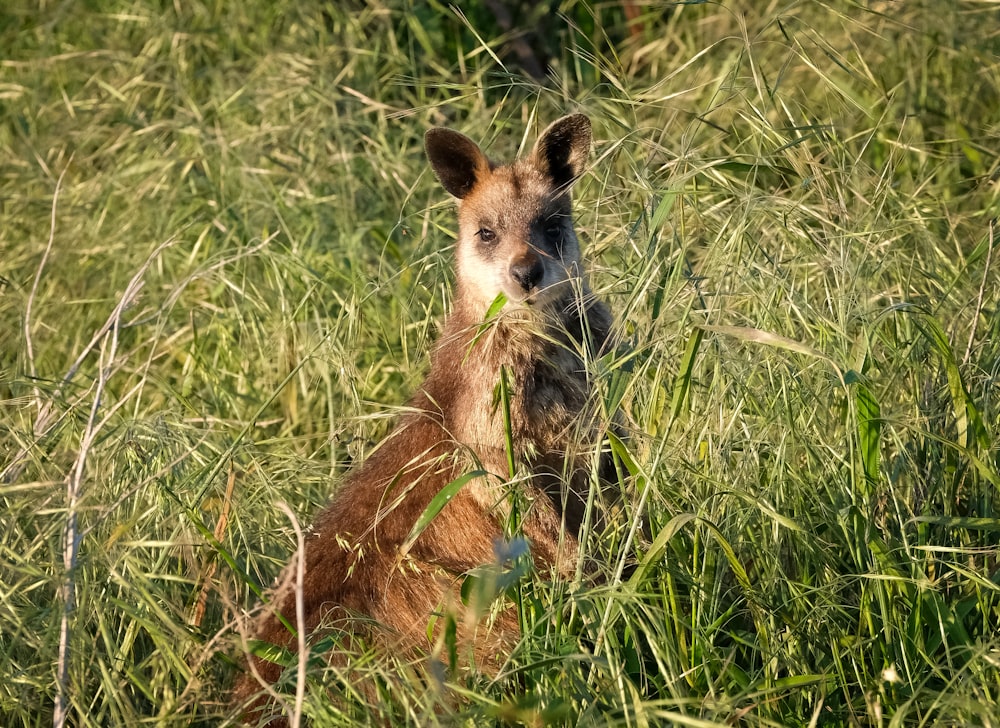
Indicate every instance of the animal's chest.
{"type": "Point", "coordinates": [553, 392]}
{"type": "Point", "coordinates": [547, 390]}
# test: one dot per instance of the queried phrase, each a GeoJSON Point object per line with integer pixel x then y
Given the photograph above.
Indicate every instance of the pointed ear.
{"type": "Point", "coordinates": [457, 162]}
{"type": "Point", "coordinates": [562, 149]}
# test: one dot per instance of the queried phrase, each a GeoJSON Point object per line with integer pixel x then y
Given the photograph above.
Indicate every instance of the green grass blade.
{"type": "Point", "coordinates": [436, 505]}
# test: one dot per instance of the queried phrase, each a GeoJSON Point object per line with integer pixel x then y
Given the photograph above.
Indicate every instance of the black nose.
{"type": "Point", "coordinates": [527, 271]}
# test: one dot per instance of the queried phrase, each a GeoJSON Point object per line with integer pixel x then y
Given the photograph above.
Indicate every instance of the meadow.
{"type": "Point", "coordinates": [223, 260]}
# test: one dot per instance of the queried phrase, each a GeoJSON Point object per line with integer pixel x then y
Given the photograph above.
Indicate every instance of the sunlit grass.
{"type": "Point", "coordinates": [237, 280]}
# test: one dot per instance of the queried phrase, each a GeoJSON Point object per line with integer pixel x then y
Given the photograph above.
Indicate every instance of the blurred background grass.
{"type": "Point", "coordinates": [223, 259]}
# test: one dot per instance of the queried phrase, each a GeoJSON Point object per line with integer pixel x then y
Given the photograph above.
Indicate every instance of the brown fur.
{"type": "Point", "coordinates": [354, 565]}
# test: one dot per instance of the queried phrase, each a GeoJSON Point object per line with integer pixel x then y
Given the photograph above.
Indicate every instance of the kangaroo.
{"type": "Point", "coordinates": [516, 242]}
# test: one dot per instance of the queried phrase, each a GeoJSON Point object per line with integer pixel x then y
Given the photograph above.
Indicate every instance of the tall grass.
{"type": "Point", "coordinates": [223, 260]}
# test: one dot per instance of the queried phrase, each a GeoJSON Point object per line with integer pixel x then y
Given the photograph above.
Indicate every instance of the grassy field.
{"type": "Point", "coordinates": [223, 259]}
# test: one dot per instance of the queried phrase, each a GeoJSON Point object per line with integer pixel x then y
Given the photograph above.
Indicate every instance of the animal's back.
{"type": "Point", "coordinates": [354, 570]}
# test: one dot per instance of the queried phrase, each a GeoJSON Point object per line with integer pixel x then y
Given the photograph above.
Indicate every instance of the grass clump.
{"type": "Point", "coordinates": [223, 259]}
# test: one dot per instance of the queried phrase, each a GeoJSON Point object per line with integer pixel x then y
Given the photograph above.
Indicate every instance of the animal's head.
{"type": "Point", "coordinates": [515, 228]}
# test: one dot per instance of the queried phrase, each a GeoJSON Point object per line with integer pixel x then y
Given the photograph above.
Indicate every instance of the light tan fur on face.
{"type": "Point", "coordinates": [518, 204]}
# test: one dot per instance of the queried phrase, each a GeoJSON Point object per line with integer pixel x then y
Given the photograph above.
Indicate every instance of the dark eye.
{"type": "Point", "coordinates": [486, 235]}
{"type": "Point", "coordinates": [554, 233]}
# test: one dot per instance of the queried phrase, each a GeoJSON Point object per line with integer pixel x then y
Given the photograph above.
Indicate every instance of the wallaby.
{"type": "Point", "coordinates": [516, 242]}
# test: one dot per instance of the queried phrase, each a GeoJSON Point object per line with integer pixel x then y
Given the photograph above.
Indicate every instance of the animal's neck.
{"type": "Point", "coordinates": [516, 340]}
{"type": "Point", "coordinates": [540, 359]}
